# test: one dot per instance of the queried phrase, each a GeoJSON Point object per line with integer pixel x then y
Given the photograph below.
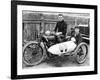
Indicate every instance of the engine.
{"type": "Point", "coordinates": [49, 38]}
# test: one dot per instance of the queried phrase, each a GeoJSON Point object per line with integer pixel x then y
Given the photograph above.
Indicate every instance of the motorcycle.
{"type": "Point", "coordinates": [51, 43]}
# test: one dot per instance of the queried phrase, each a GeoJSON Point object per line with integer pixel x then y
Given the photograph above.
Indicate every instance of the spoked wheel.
{"type": "Point", "coordinates": [81, 53]}
{"type": "Point", "coordinates": [33, 53]}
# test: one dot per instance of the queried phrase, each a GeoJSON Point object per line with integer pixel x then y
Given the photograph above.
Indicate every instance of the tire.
{"type": "Point", "coordinates": [81, 54]}
{"type": "Point", "coordinates": [33, 53]}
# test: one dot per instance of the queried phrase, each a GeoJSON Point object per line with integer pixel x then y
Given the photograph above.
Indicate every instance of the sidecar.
{"type": "Point", "coordinates": [35, 52]}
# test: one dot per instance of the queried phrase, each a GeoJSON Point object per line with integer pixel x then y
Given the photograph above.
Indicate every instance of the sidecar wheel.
{"type": "Point", "coordinates": [33, 53]}
{"type": "Point", "coordinates": [81, 53]}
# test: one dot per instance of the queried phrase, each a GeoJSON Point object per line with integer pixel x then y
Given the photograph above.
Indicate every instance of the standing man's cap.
{"type": "Point", "coordinates": [76, 27]}
{"type": "Point", "coordinates": [72, 28]}
{"type": "Point", "coordinates": [60, 15]}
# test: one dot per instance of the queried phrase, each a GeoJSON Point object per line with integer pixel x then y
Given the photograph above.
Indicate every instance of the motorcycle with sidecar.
{"type": "Point", "coordinates": [34, 52]}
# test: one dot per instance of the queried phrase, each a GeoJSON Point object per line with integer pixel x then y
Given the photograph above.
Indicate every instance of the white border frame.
{"type": "Point", "coordinates": [21, 71]}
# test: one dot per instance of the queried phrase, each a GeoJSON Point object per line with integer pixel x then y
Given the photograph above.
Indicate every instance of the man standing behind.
{"type": "Point", "coordinates": [61, 25]}
{"type": "Point", "coordinates": [78, 36]}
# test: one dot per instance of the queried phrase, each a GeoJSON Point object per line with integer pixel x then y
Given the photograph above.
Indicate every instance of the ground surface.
{"type": "Point", "coordinates": [64, 61]}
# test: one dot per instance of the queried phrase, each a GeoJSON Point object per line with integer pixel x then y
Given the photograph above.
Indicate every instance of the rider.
{"type": "Point", "coordinates": [61, 25]}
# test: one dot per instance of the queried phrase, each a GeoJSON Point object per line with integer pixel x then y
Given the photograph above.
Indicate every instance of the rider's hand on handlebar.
{"type": "Point", "coordinates": [58, 33]}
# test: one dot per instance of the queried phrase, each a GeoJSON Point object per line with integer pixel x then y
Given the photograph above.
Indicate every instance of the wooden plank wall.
{"type": "Point", "coordinates": [31, 29]}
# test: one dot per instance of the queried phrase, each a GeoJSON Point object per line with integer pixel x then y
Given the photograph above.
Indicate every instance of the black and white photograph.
{"type": "Point", "coordinates": [53, 39]}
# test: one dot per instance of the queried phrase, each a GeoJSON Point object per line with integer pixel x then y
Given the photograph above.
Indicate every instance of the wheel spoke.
{"type": "Point", "coordinates": [33, 53]}
{"type": "Point", "coordinates": [82, 53]}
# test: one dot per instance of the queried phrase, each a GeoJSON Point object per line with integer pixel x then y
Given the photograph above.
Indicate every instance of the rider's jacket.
{"type": "Point", "coordinates": [61, 26]}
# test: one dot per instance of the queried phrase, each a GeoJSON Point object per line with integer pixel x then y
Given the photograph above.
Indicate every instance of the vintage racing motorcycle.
{"type": "Point", "coordinates": [51, 43]}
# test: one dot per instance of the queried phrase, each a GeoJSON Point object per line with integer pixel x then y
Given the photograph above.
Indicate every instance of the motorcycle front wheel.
{"type": "Point", "coordinates": [33, 53]}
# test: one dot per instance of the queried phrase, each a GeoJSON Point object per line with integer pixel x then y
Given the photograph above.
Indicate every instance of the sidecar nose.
{"type": "Point", "coordinates": [54, 49]}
